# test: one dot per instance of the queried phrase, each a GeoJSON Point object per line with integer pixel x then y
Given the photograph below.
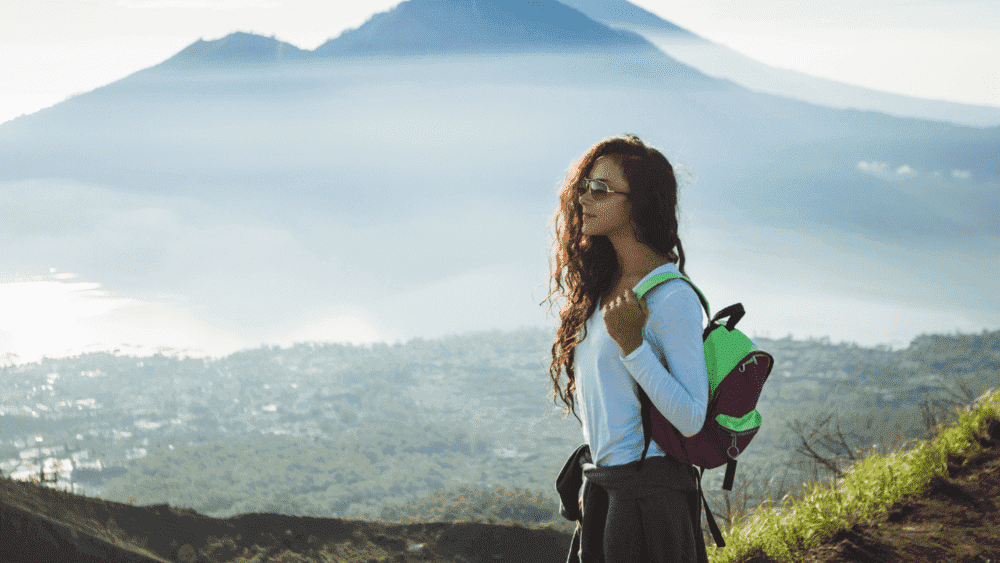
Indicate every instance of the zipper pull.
{"type": "Point", "coordinates": [733, 447]}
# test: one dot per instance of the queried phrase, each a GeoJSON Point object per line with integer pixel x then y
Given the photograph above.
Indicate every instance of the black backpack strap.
{"type": "Point", "coordinates": [716, 533]}
{"type": "Point", "coordinates": [645, 406]}
{"type": "Point", "coordinates": [647, 433]}
{"type": "Point", "coordinates": [727, 483]}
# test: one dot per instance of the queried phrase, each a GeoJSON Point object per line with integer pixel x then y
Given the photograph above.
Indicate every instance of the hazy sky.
{"type": "Point", "coordinates": [942, 49]}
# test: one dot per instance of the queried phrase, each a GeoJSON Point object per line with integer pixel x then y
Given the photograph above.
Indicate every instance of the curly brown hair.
{"type": "Point", "coordinates": [585, 266]}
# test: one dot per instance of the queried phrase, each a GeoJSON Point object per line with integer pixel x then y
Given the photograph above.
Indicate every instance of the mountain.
{"type": "Point", "coordinates": [723, 62]}
{"type": "Point", "coordinates": [439, 26]}
{"type": "Point", "coordinates": [411, 192]}
{"type": "Point", "coordinates": [453, 27]}
{"type": "Point", "coordinates": [622, 14]}
{"type": "Point", "coordinates": [239, 49]}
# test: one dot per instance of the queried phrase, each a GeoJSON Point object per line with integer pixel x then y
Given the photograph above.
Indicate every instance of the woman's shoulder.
{"type": "Point", "coordinates": [668, 287]}
{"type": "Point", "coordinates": [674, 296]}
{"type": "Point", "coordinates": [674, 290]}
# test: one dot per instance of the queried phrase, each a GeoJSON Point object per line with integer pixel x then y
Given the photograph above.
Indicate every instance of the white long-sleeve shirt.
{"type": "Point", "coordinates": [605, 381]}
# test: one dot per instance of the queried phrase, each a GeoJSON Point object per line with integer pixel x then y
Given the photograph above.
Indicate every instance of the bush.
{"type": "Point", "coordinates": [467, 504]}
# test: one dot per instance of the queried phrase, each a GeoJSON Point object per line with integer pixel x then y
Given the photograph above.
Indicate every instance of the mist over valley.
{"type": "Point", "coordinates": [395, 183]}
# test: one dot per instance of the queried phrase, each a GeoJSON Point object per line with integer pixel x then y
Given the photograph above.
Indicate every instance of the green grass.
{"type": "Point", "coordinates": [786, 530]}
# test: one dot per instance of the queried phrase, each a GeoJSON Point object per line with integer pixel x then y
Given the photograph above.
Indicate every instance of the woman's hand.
{"type": "Point", "coordinates": [624, 317]}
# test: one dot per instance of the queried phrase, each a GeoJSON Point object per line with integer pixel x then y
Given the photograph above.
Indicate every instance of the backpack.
{"type": "Point", "coordinates": [737, 371]}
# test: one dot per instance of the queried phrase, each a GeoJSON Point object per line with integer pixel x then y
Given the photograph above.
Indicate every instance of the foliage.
{"type": "Point", "coordinates": [362, 446]}
{"type": "Point", "coordinates": [468, 504]}
{"type": "Point", "coordinates": [787, 530]}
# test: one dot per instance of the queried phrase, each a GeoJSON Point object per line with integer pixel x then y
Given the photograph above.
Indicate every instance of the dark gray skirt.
{"type": "Point", "coordinates": [649, 516]}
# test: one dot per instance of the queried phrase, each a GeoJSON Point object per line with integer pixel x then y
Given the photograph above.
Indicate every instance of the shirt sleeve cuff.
{"type": "Point", "coordinates": [635, 353]}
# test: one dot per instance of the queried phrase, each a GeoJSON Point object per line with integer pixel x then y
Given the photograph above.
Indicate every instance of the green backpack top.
{"type": "Point", "coordinates": [737, 371]}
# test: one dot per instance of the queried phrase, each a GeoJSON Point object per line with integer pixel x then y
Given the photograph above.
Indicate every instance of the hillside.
{"type": "Point", "coordinates": [934, 500]}
{"type": "Point", "coordinates": [287, 461]}
{"type": "Point", "coordinates": [953, 516]}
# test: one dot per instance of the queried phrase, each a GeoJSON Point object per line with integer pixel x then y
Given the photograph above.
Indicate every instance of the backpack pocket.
{"type": "Point", "coordinates": [741, 430]}
{"type": "Point", "coordinates": [721, 439]}
{"type": "Point", "coordinates": [750, 420]}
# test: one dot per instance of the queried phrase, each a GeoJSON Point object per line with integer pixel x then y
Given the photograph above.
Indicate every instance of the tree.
{"type": "Point", "coordinates": [835, 451]}
{"type": "Point", "coordinates": [939, 410]}
{"type": "Point", "coordinates": [736, 504]}
{"type": "Point", "coordinates": [837, 446]}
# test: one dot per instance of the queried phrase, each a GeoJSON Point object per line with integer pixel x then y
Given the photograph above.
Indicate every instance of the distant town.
{"type": "Point", "coordinates": [327, 429]}
{"type": "Point", "coordinates": [81, 441]}
{"type": "Point", "coordinates": [75, 423]}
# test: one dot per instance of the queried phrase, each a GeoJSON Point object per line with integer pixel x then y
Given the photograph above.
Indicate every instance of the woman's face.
{"type": "Point", "coordinates": [605, 213]}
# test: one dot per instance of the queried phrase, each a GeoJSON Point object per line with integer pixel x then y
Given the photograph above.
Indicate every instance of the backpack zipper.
{"type": "Point", "coordinates": [736, 435]}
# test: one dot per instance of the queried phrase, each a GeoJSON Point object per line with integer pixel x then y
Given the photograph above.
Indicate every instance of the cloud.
{"type": "Point", "coordinates": [873, 167]}
{"type": "Point", "coordinates": [885, 171]}
{"type": "Point", "coordinates": [199, 4]}
{"type": "Point", "coordinates": [882, 170]}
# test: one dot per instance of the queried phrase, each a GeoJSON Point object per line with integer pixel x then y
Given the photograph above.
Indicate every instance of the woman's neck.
{"type": "Point", "coordinates": [639, 262]}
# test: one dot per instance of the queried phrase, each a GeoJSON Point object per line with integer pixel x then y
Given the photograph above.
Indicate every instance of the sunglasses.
{"type": "Point", "coordinates": [597, 188]}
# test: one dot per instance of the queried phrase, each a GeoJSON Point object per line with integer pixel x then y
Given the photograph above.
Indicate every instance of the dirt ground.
{"type": "Point", "coordinates": [956, 519]}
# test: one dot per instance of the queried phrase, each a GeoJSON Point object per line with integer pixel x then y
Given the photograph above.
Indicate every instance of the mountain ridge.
{"type": "Point", "coordinates": [720, 61]}
{"type": "Point", "coordinates": [621, 14]}
{"type": "Point", "coordinates": [433, 26]}
{"type": "Point", "coordinates": [422, 28]}
{"type": "Point", "coordinates": [427, 27]}
{"type": "Point", "coordinates": [238, 48]}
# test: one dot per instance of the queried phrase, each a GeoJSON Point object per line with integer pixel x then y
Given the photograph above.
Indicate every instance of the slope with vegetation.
{"type": "Point", "coordinates": [240, 494]}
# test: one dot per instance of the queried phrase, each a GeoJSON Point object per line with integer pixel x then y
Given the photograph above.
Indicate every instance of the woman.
{"type": "Point", "coordinates": [616, 226]}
